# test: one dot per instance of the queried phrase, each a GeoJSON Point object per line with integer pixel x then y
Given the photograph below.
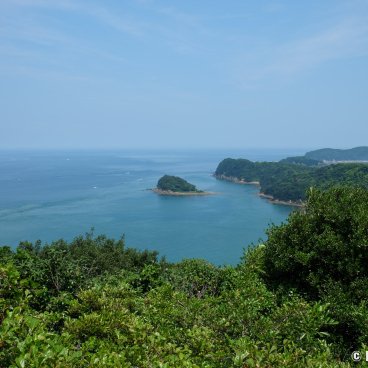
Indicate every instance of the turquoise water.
{"type": "Point", "coordinates": [52, 195]}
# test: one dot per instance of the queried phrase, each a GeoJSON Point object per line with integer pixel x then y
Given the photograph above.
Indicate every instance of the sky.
{"type": "Point", "coordinates": [183, 74]}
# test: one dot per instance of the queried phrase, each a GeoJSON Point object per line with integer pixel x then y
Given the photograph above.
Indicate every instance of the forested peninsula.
{"type": "Point", "coordinates": [288, 180]}
{"type": "Point", "coordinates": [298, 300]}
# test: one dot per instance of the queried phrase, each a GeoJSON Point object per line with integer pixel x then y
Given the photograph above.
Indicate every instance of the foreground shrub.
{"type": "Point", "coordinates": [321, 253]}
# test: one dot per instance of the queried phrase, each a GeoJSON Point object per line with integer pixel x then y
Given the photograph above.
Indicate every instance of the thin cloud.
{"type": "Point", "coordinates": [66, 4]}
{"type": "Point", "coordinates": [43, 41]}
{"type": "Point", "coordinates": [32, 32]}
{"type": "Point", "coordinates": [46, 74]}
{"type": "Point", "coordinates": [118, 22]}
{"type": "Point", "coordinates": [344, 40]}
{"type": "Point", "coordinates": [102, 14]}
{"type": "Point", "coordinates": [180, 31]}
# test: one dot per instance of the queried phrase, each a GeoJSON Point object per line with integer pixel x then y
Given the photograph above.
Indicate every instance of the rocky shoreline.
{"type": "Point", "coordinates": [179, 194]}
{"type": "Point", "coordinates": [233, 179]}
{"type": "Point", "coordinates": [270, 198]}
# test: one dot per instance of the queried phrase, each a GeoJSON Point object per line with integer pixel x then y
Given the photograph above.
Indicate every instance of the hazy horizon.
{"type": "Point", "coordinates": [150, 74]}
{"type": "Point", "coordinates": [112, 149]}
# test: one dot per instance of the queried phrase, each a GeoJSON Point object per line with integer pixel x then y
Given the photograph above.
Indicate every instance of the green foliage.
{"type": "Point", "coordinates": [196, 278]}
{"type": "Point", "coordinates": [175, 184]}
{"type": "Point", "coordinates": [6, 255]}
{"type": "Point", "coordinates": [322, 253]}
{"type": "Point", "coordinates": [237, 168]}
{"type": "Point", "coordinates": [10, 291]}
{"type": "Point", "coordinates": [62, 266]}
{"type": "Point", "coordinates": [301, 160]}
{"type": "Point", "coordinates": [328, 242]}
{"type": "Point", "coordinates": [190, 314]}
{"type": "Point", "coordinates": [291, 336]}
{"type": "Point", "coordinates": [286, 181]}
{"type": "Point", "coordinates": [299, 300]}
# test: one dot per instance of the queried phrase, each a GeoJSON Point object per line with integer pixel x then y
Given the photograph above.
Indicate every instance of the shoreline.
{"type": "Point", "coordinates": [233, 179]}
{"type": "Point", "coordinates": [270, 198]}
{"type": "Point", "coordinates": [179, 194]}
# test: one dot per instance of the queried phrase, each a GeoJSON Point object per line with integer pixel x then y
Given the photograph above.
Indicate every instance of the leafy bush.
{"type": "Point", "coordinates": [62, 266]}
{"type": "Point", "coordinates": [322, 253]}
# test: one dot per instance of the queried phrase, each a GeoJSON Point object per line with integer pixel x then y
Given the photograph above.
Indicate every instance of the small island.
{"type": "Point", "coordinates": [175, 186]}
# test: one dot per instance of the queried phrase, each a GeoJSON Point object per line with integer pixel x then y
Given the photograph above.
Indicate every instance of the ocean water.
{"type": "Point", "coordinates": [52, 195]}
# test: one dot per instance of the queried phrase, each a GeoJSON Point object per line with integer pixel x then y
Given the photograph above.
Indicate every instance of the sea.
{"type": "Point", "coordinates": [49, 195]}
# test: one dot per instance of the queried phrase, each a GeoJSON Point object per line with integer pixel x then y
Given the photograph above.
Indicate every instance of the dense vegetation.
{"type": "Point", "coordinates": [301, 160]}
{"type": "Point", "coordinates": [287, 181]}
{"type": "Point", "coordinates": [299, 300]}
{"type": "Point", "coordinates": [175, 184]}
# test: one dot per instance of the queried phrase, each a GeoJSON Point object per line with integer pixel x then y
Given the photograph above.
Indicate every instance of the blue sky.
{"type": "Point", "coordinates": [183, 74]}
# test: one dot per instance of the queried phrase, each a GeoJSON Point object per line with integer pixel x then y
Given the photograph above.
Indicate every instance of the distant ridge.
{"type": "Point", "coordinates": [332, 154]}
{"type": "Point", "coordinates": [329, 155]}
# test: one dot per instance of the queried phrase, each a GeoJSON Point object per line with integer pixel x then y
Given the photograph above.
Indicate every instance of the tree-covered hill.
{"type": "Point", "coordinates": [299, 300]}
{"type": "Point", "coordinates": [331, 154]}
{"type": "Point", "coordinates": [301, 160]}
{"type": "Point", "coordinates": [289, 182]}
{"type": "Point", "coordinates": [321, 156]}
{"type": "Point", "coordinates": [175, 184]}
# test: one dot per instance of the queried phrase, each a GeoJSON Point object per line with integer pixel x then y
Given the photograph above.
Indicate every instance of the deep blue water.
{"type": "Point", "coordinates": [52, 195]}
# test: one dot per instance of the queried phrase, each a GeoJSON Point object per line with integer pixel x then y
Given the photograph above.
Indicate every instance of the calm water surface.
{"type": "Point", "coordinates": [52, 195]}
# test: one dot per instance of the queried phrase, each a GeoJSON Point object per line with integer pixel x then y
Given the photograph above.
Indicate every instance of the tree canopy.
{"type": "Point", "coordinates": [288, 181]}
{"type": "Point", "coordinates": [175, 184]}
